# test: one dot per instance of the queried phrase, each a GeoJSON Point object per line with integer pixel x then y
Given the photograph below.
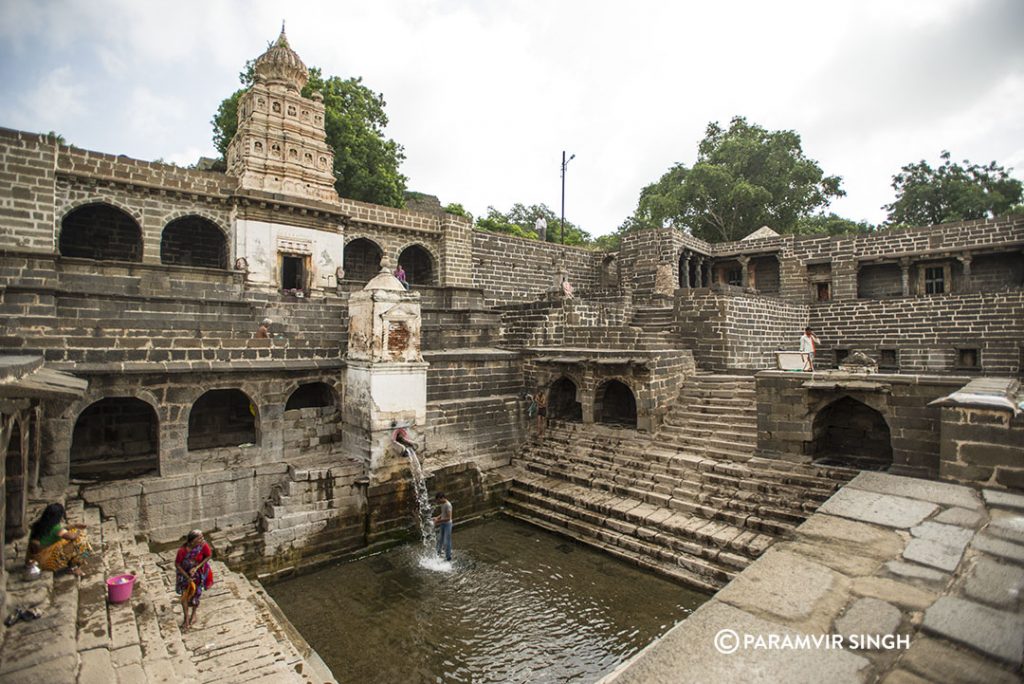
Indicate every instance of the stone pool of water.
{"type": "Point", "coordinates": [517, 604]}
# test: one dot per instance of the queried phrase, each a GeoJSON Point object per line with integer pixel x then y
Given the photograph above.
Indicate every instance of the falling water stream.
{"type": "Point", "coordinates": [425, 513]}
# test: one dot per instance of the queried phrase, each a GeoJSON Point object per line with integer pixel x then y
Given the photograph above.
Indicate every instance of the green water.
{"type": "Point", "coordinates": [516, 604]}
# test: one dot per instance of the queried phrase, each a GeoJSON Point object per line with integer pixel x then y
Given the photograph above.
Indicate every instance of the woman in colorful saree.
{"type": "Point", "coordinates": [55, 546]}
{"type": "Point", "coordinates": [194, 574]}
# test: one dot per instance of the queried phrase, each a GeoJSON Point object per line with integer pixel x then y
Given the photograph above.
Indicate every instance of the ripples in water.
{"type": "Point", "coordinates": [516, 604]}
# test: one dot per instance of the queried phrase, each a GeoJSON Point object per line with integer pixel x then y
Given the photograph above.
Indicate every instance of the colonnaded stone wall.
{"type": "Point", "coordinates": [736, 330]}
{"type": "Point", "coordinates": [510, 269]}
{"type": "Point", "coordinates": [925, 334]}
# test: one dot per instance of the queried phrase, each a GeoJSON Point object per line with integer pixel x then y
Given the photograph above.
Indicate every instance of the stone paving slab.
{"type": "Point", "coordinates": [997, 584]}
{"type": "Point", "coordinates": [948, 535]}
{"type": "Point", "coordinates": [940, 661]}
{"type": "Point", "coordinates": [869, 616]}
{"type": "Point", "coordinates": [687, 653]}
{"type": "Point", "coordinates": [993, 632]}
{"type": "Point", "coordinates": [999, 499]}
{"type": "Point", "coordinates": [912, 571]}
{"type": "Point", "coordinates": [999, 547]}
{"type": "Point", "coordinates": [880, 509]}
{"type": "Point", "coordinates": [933, 554]}
{"type": "Point", "coordinates": [901, 594]}
{"type": "Point", "coordinates": [962, 517]}
{"type": "Point", "coordinates": [914, 488]}
{"type": "Point", "coordinates": [1009, 528]}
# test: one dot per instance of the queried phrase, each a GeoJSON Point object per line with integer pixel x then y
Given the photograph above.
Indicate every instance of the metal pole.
{"type": "Point", "coordinates": [562, 224]}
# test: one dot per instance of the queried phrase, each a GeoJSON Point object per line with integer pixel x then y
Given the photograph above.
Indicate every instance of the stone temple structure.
{"type": "Point", "coordinates": [132, 382]}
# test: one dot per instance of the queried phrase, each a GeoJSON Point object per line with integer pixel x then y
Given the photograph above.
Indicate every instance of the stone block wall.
{"type": "Point", "coordinates": [927, 331]}
{"type": "Point", "coordinates": [510, 269]}
{"type": "Point", "coordinates": [27, 162]}
{"type": "Point", "coordinates": [574, 322]}
{"type": "Point", "coordinates": [311, 432]}
{"type": "Point", "coordinates": [983, 434]}
{"type": "Point", "coordinates": [788, 403]}
{"type": "Point", "coordinates": [736, 331]}
{"type": "Point", "coordinates": [466, 374]}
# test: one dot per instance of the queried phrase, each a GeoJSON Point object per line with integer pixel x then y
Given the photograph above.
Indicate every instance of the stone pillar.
{"type": "Point", "coordinates": [965, 262]}
{"type": "Point", "coordinates": [905, 275]}
{"type": "Point", "coordinates": [684, 273]}
{"type": "Point", "coordinates": [385, 375]}
{"type": "Point", "coordinates": [745, 268]}
{"type": "Point", "coordinates": [706, 272]}
{"type": "Point", "coordinates": [699, 280]}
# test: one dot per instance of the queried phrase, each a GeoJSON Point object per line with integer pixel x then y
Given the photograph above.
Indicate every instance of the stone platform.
{"type": "Point", "coordinates": [934, 571]}
{"type": "Point", "coordinates": [240, 634]}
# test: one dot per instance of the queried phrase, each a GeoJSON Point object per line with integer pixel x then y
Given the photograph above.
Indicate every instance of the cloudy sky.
{"type": "Point", "coordinates": [485, 95]}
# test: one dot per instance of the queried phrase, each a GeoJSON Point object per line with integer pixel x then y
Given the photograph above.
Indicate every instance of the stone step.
{"type": "Point", "coordinates": [658, 559]}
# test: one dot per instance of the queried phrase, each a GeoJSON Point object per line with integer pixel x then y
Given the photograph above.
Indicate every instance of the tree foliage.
{"type": "Point", "coordinates": [365, 161]}
{"type": "Point", "coordinates": [831, 224]}
{"type": "Point", "coordinates": [745, 177]}
{"type": "Point", "coordinates": [951, 192]}
{"type": "Point", "coordinates": [520, 219]}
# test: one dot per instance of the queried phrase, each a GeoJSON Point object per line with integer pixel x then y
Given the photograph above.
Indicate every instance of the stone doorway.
{"type": "Point", "coordinates": [614, 404]}
{"type": "Point", "coordinates": [562, 404]}
{"type": "Point", "coordinates": [851, 434]}
{"type": "Point", "coordinates": [115, 438]}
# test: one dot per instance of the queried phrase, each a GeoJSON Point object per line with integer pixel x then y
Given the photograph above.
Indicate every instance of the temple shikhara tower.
{"type": "Point", "coordinates": [280, 145]}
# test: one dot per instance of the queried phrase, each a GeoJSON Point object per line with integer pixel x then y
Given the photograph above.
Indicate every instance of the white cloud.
{"type": "Point", "coordinates": [57, 97]}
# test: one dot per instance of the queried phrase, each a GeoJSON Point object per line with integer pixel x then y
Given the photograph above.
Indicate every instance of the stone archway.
{"type": "Point", "coordinates": [222, 418]}
{"type": "Point", "coordinates": [418, 265]}
{"type": "Point", "coordinates": [850, 433]}
{"type": "Point", "coordinates": [562, 403]}
{"type": "Point", "coordinates": [311, 395]}
{"type": "Point", "coordinates": [194, 241]}
{"type": "Point", "coordinates": [115, 438]}
{"type": "Point", "coordinates": [615, 404]}
{"type": "Point", "coordinates": [362, 259]}
{"type": "Point", "coordinates": [102, 232]}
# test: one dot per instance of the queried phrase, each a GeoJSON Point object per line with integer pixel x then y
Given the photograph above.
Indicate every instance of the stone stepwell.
{"type": "Point", "coordinates": [676, 503]}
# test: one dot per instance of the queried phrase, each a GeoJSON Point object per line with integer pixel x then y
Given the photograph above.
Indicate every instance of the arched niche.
{"type": "Point", "coordinates": [418, 265]}
{"type": "Point", "coordinates": [562, 403]}
{"type": "Point", "coordinates": [194, 241]}
{"type": "Point", "coordinates": [311, 395]}
{"type": "Point", "coordinates": [222, 418]}
{"type": "Point", "coordinates": [850, 433]}
{"type": "Point", "coordinates": [362, 259]}
{"type": "Point", "coordinates": [102, 232]}
{"type": "Point", "coordinates": [115, 438]}
{"type": "Point", "coordinates": [615, 404]}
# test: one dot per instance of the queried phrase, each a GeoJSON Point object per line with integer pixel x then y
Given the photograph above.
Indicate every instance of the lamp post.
{"type": "Point", "coordinates": [565, 163]}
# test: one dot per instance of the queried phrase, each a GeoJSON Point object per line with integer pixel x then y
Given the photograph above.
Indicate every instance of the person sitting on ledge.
{"type": "Point", "coordinates": [55, 547]}
{"type": "Point", "coordinates": [263, 332]}
{"type": "Point", "coordinates": [400, 274]}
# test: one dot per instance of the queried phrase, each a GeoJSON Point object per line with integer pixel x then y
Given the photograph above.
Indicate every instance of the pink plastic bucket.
{"type": "Point", "coordinates": [119, 588]}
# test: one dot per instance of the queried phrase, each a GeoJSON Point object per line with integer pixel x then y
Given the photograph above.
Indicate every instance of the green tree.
{"type": "Point", "coordinates": [951, 192]}
{"type": "Point", "coordinates": [831, 224]}
{"type": "Point", "coordinates": [458, 210]}
{"type": "Point", "coordinates": [365, 161]}
{"type": "Point", "coordinates": [520, 219]}
{"type": "Point", "coordinates": [745, 177]}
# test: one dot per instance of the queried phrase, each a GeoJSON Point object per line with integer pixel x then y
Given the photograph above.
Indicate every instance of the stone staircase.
{"type": "Point", "coordinates": [653, 318]}
{"type": "Point", "coordinates": [240, 634]}
{"type": "Point", "coordinates": [715, 416]}
{"type": "Point", "coordinates": [695, 511]}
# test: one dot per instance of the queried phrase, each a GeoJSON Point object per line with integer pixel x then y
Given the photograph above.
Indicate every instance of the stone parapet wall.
{"type": "Point", "coordinates": [926, 331]}
{"type": "Point", "coordinates": [463, 375]}
{"type": "Point", "coordinates": [736, 331]}
{"type": "Point", "coordinates": [576, 322]}
{"type": "Point", "coordinates": [27, 171]}
{"type": "Point", "coordinates": [982, 431]}
{"type": "Point", "coordinates": [510, 269]}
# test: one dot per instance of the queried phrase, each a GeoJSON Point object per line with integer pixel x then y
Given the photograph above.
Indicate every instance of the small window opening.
{"type": "Point", "coordinates": [934, 280]}
{"type": "Point", "coordinates": [841, 355]}
{"type": "Point", "coordinates": [824, 292]}
{"type": "Point", "coordinates": [968, 358]}
{"type": "Point", "coordinates": [734, 276]}
{"type": "Point", "coordinates": [888, 359]}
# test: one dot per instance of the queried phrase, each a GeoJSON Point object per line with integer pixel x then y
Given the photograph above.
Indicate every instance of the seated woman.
{"type": "Point", "coordinates": [54, 546]}
{"type": "Point", "coordinates": [193, 574]}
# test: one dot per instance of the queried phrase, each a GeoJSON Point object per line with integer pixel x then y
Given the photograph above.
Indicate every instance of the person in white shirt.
{"type": "Point", "coordinates": [808, 345]}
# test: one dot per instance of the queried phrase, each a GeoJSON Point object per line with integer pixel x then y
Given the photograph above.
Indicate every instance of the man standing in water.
{"type": "Point", "coordinates": [443, 523]}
